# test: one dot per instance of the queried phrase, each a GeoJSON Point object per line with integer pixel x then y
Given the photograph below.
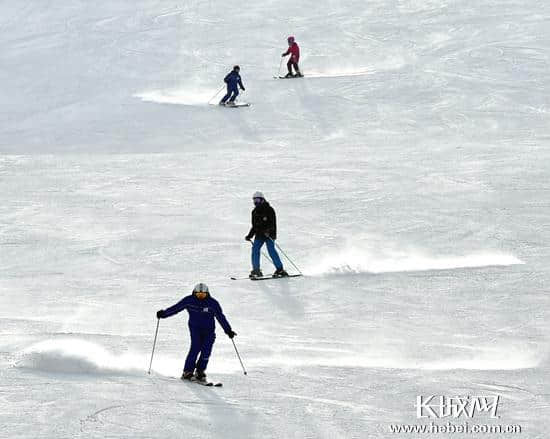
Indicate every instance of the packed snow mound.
{"type": "Point", "coordinates": [78, 357]}
{"type": "Point", "coordinates": [356, 260]}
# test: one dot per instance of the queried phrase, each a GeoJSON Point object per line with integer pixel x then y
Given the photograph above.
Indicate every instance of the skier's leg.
{"type": "Point", "coordinates": [194, 350]}
{"type": "Point", "coordinates": [208, 340]}
{"type": "Point", "coordinates": [289, 67]}
{"type": "Point", "coordinates": [297, 69]}
{"type": "Point", "coordinates": [235, 93]}
{"type": "Point", "coordinates": [256, 247]}
{"type": "Point", "coordinates": [226, 97]}
{"type": "Point", "coordinates": [273, 254]}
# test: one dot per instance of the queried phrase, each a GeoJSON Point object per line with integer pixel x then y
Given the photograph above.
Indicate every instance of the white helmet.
{"type": "Point", "coordinates": [200, 288]}
{"type": "Point", "coordinates": [258, 194]}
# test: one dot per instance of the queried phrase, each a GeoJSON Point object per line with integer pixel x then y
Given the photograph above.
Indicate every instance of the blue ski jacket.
{"type": "Point", "coordinates": [233, 79]}
{"type": "Point", "coordinates": [201, 312]}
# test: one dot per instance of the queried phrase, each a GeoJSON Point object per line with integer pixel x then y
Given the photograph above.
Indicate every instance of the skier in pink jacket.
{"type": "Point", "coordinates": [294, 52]}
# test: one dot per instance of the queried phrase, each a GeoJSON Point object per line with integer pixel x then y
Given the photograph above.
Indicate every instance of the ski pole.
{"type": "Point", "coordinates": [242, 365]}
{"type": "Point", "coordinates": [265, 255]}
{"type": "Point", "coordinates": [217, 93]}
{"type": "Point", "coordinates": [280, 65]}
{"type": "Point", "coordinates": [154, 344]}
{"type": "Point", "coordinates": [286, 256]}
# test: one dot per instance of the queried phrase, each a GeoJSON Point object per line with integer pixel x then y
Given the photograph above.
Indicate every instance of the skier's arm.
{"type": "Point", "coordinates": [271, 227]}
{"type": "Point", "coordinates": [251, 232]}
{"type": "Point", "coordinates": [226, 78]}
{"type": "Point", "coordinates": [286, 53]}
{"type": "Point", "coordinates": [174, 309]}
{"type": "Point", "coordinates": [295, 52]}
{"type": "Point", "coordinates": [220, 317]}
{"type": "Point", "coordinates": [241, 84]}
{"type": "Point", "coordinates": [274, 231]}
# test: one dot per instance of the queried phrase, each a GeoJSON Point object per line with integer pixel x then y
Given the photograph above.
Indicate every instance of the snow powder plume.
{"type": "Point", "coordinates": [196, 96]}
{"type": "Point", "coordinates": [355, 260]}
{"type": "Point", "coordinates": [78, 356]}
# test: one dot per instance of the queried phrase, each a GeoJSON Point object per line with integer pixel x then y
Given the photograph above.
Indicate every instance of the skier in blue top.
{"type": "Point", "coordinates": [233, 81]}
{"type": "Point", "coordinates": [202, 309]}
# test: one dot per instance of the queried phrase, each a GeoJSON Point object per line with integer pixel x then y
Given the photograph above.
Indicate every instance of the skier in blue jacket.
{"type": "Point", "coordinates": [233, 81]}
{"type": "Point", "coordinates": [202, 309]}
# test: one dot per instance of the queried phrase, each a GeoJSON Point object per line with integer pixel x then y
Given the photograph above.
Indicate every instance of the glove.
{"type": "Point", "coordinates": [243, 89]}
{"type": "Point", "coordinates": [160, 314]}
{"type": "Point", "coordinates": [282, 55]}
{"type": "Point", "coordinates": [231, 334]}
{"type": "Point", "coordinates": [248, 238]}
{"type": "Point", "coordinates": [267, 235]}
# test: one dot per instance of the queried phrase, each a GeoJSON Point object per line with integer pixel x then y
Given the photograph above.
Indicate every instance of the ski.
{"type": "Point", "coordinates": [237, 105]}
{"type": "Point", "coordinates": [204, 383]}
{"type": "Point", "coordinates": [287, 77]}
{"type": "Point", "coordinates": [265, 277]}
{"type": "Point", "coordinates": [193, 380]}
{"type": "Point", "coordinates": [274, 277]}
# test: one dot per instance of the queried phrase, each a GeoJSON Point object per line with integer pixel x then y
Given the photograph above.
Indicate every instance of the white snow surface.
{"type": "Point", "coordinates": [410, 171]}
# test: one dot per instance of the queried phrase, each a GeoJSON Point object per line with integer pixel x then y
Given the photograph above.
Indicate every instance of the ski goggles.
{"type": "Point", "coordinates": [258, 200]}
{"type": "Point", "coordinates": [201, 295]}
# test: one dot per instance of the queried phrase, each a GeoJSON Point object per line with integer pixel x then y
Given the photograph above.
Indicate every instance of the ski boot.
{"type": "Point", "coordinates": [255, 273]}
{"type": "Point", "coordinates": [187, 375]}
{"type": "Point", "coordinates": [298, 75]}
{"type": "Point", "coordinates": [200, 375]}
{"type": "Point", "coordinates": [280, 273]}
{"type": "Point", "coordinates": [230, 104]}
{"type": "Point", "coordinates": [289, 75]}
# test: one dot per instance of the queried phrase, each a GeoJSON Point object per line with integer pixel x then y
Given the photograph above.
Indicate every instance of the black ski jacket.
{"type": "Point", "coordinates": [263, 222]}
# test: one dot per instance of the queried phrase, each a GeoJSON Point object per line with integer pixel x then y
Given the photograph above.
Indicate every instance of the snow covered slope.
{"type": "Point", "coordinates": [410, 175]}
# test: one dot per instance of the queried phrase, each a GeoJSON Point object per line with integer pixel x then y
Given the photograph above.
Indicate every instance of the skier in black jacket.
{"type": "Point", "coordinates": [264, 231]}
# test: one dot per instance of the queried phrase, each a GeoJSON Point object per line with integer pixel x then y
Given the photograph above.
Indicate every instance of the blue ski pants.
{"type": "Point", "coordinates": [202, 341]}
{"type": "Point", "coordinates": [232, 93]}
{"type": "Point", "coordinates": [257, 246]}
